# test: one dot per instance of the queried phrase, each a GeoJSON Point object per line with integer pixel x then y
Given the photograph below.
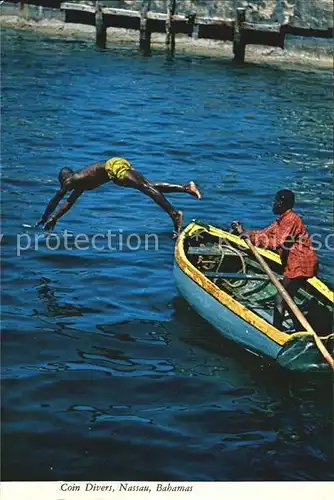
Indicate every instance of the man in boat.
{"type": "Point", "coordinates": [288, 235]}
{"type": "Point", "coordinates": [121, 172]}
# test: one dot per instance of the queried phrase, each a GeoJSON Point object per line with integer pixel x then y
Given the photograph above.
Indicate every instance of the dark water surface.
{"type": "Point", "coordinates": [107, 372]}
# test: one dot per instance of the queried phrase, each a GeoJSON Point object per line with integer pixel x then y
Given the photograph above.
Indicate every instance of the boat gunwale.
{"type": "Point", "coordinates": [224, 298]}
{"type": "Point", "coordinates": [315, 282]}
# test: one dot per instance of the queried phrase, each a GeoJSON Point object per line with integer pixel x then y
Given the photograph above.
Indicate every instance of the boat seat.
{"type": "Point", "coordinates": [211, 251]}
{"type": "Point", "coordinates": [236, 276]}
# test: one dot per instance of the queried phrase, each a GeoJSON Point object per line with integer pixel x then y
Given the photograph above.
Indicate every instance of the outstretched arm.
{"type": "Point", "coordinates": [63, 209]}
{"type": "Point", "coordinates": [266, 237]}
{"type": "Point", "coordinates": [52, 206]}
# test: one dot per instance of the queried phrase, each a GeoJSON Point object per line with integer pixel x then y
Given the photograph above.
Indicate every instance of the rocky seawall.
{"type": "Point", "coordinates": [297, 52]}
{"type": "Point", "coordinates": [306, 13]}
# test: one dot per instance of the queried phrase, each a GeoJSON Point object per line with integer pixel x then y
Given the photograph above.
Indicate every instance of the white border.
{"type": "Point", "coordinates": [70, 490]}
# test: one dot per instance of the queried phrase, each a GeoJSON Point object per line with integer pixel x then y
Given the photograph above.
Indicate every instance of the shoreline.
{"type": "Point", "coordinates": [306, 57]}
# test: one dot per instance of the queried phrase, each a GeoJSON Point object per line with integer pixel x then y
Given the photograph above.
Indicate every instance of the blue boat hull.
{"type": "Point", "coordinates": [229, 324]}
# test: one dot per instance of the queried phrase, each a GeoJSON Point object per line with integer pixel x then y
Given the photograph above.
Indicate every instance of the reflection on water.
{"type": "Point", "coordinates": [99, 351]}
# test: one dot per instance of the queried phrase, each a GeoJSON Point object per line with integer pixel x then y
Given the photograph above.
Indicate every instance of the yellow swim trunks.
{"type": "Point", "coordinates": [116, 169]}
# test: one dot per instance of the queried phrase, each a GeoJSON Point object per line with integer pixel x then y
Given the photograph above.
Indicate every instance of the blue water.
{"type": "Point", "coordinates": [107, 372]}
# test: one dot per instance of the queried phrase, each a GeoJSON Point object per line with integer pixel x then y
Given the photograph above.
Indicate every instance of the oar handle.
{"type": "Point", "coordinates": [288, 299]}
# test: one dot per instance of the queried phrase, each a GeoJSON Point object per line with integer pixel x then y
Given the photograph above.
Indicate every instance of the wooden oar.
{"type": "Point", "coordinates": [292, 305]}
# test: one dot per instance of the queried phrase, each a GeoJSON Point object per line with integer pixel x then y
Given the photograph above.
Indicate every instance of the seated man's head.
{"type": "Point", "coordinates": [284, 200]}
{"type": "Point", "coordinates": [64, 174]}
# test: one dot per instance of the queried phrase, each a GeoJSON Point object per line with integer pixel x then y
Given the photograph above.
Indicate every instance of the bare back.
{"type": "Point", "coordinates": [88, 178]}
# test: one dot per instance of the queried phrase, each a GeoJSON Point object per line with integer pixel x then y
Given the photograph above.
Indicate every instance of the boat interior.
{"type": "Point", "coordinates": [234, 270]}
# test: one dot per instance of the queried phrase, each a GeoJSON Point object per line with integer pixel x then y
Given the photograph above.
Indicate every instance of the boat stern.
{"type": "Point", "coordinates": [301, 354]}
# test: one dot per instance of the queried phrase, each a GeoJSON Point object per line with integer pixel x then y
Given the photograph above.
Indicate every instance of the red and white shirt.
{"type": "Point", "coordinates": [288, 235]}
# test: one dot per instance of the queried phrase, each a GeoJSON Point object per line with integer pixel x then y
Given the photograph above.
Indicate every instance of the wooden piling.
{"type": "Point", "coordinates": [144, 32]}
{"type": "Point", "coordinates": [170, 35]}
{"type": "Point", "coordinates": [239, 46]}
{"type": "Point", "coordinates": [195, 26]}
{"type": "Point", "coordinates": [22, 11]}
{"type": "Point", "coordinates": [101, 29]}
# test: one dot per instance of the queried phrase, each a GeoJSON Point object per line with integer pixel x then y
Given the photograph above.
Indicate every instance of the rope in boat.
{"type": "Point", "coordinates": [243, 264]}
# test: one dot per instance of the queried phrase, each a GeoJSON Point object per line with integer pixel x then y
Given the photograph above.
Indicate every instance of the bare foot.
{"type": "Point", "coordinates": [193, 190]}
{"type": "Point", "coordinates": [178, 220]}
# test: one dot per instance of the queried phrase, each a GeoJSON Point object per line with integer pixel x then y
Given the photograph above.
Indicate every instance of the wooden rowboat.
{"type": "Point", "coordinates": [218, 275]}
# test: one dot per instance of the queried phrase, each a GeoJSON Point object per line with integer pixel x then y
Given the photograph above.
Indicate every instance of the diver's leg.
{"type": "Point", "coordinates": [136, 180]}
{"type": "Point", "coordinates": [166, 187]}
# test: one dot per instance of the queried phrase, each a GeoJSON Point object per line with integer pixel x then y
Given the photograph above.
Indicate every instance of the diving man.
{"type": "Point", "coordinates": [121, 172]}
